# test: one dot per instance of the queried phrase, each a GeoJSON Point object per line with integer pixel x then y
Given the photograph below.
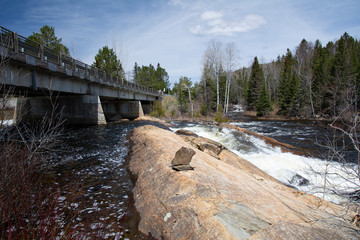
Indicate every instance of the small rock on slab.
{"type": "Point", "coordinates": [182, 159]}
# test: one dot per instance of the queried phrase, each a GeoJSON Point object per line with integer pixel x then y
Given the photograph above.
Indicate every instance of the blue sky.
{"type": "Point", "coordinates": [175, 33]}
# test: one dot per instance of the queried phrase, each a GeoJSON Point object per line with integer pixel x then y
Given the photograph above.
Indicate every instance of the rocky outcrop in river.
{"type": "Point", "coordinates": [223, 197]}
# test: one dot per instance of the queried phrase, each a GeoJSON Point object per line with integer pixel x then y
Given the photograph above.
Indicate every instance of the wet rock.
{"type": "Point", "coordinates": [209, 147]}
{"type": "Point", "coordinates": [298, 180]}
{"type": "Point", "coordinates": [186, 133]}
{"type": "Point", "coordinates": [206, 145]}
{"type": "Point", "coordinates": [182, 159]}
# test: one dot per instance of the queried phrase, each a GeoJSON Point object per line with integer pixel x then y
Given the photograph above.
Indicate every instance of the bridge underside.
{"type": "Point", "coordinates": [78, 110]}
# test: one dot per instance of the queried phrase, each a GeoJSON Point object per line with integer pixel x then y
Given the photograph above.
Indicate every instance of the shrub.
{"type": "Point", "coordinates": [157, 109]}
{"type": "Point", "coordinates": [203, 110]}
{"type": "Point", "coordinates": [219, 117]}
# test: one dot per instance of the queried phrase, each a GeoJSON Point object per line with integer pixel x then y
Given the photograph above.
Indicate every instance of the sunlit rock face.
{"type": "Point", "coordinates": [224, 197]}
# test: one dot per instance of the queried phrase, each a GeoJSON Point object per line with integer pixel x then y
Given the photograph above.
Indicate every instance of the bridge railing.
{"type": "Point", "coordinates": [6, 38]}
{"type": "Point", "coordinates": [28, 46]}
{"type": "Point", "coordinates": [51, 55]}
{"type": "Point", "coordinates": [22, 45]}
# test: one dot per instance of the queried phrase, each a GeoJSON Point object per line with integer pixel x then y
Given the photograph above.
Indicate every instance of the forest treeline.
{"type": "Point", "coordinates": [312, 81]}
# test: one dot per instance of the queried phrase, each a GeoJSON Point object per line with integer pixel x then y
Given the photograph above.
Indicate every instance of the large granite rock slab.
{"type": "Point", "coordinates": [222, 198]}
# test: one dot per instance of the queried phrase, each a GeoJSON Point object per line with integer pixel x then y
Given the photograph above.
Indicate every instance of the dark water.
{"type": "Point", "coordinates": [91, 164]}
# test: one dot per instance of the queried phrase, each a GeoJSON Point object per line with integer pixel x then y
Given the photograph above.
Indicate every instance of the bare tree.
{"type": "Point", "coordinates": [26, 204]}
{"type": "Point", "coordinates": [346, 137]}
{"type": "Point", "coordinates": [213, 57]}
{"type": "Point", "coordinates": [188, 87]}
{"type": "Point", "coordinates": [230, 60]}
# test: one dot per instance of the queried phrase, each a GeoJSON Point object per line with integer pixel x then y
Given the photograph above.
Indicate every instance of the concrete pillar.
{"type": "Point", "coordinates": [76, 110]}
{"type": "Point", "coordinates": [146, 106]}
{"type": "Point", "coordinates": [92, 106]}
{"type": "Point", "coordinates": [21, 110]}
{"type": "Point", "coordinates": [130, 109]}
{"type": "Point", "coordinates": [117, 110]}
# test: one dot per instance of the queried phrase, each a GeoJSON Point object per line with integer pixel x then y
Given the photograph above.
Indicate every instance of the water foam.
{"type": "Point", "coordinates": [304, 173]}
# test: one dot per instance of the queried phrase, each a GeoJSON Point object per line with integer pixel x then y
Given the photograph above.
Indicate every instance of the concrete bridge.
{"type": "Point", "coordinates": [40, 77]}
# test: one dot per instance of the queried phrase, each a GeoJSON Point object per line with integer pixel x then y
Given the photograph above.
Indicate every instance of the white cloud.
{"type": "Point", "coordinates": [212, 23]}
{"type": "Point", "coordinates": [210, 15]}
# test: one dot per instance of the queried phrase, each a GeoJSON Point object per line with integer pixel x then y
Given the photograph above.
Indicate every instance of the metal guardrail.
{"type": "Point", "coordinates": [21, 45]}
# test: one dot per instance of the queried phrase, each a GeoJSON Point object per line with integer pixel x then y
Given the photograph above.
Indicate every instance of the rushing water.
{"type": "Point", "coordinates": [303, 172]}
{"type": "Point", "coordinates": [92, 161]}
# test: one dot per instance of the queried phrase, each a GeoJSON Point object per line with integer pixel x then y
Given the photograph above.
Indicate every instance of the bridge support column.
{"type": "Point", "coordinates": [76, 110]}
{"type": "Point", "coordinates": [117, 110]}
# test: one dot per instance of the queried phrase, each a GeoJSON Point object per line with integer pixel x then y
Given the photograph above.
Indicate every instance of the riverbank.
{"type": "Point", "coordinates": [224, 197]}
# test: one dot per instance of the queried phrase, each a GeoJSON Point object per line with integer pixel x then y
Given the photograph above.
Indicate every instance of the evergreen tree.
{"type": "Point", "coordinates": [162, 78]}
{"type": "Point", "coordinates": [285, 91]}
{"type": "Point", "coordinates": [150, 77]}
{"type": "Point", "coordinates": [48, 39]}
{"type": "Point", "coordinates": [136, 73]}
{"type": "Point", "coordinates": [263, 105]}
{"type": "Point", "coordinates": [107, 61]}
{"type": "Point", "coordinates": [255, 83]}
{"type": "Point", "coordinates": [181, 90]}
{"type": "Point", "coordinates": [318, 62]}
{"type": "Point", "coordinates": [295, 93]}
{"type": "Point", "coordinates": [343, 74]}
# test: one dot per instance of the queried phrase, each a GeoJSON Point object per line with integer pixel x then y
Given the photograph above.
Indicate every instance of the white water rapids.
{"type": "Point", "coordinates": [311, 175]}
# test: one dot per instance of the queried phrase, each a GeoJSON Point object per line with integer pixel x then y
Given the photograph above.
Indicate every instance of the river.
{"type": "Point", "coordinates": [91, 165]}
{"type": "Point", "coordinates": [92, 160]}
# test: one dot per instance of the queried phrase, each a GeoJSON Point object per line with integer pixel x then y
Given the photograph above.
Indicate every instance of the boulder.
{"type": "Point", "coordinates": [186, 133]}
{"type": "Point", "coordinates": [206, 145]}
{"type": "Point", "coordinates": [298, 180]}
{"type": "Point", "coordinates": [182, 159]}
{"type": "Point", "coordinates": [227, 199]}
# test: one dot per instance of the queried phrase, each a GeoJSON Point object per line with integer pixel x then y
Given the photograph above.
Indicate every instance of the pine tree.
{"type": "Point", "coordinates": [157, 78]}
{"type": "Point", "coordinates": [285, 88]}
{"type": "Point", "coordinates": [255, 83]}
{"type": "Point", "coordinates": [183, 93]}
{"type": "Point", "coordinates": [48, 39]}
{"type": "Point", "coordinates": [318, 62]}
{"type": "Point", "coordinates": [295, 100]}
{"type": "Point", "coordinates": [263, 105]}
{"type": "Point", "coordinates": [107, 61]}
{"type": "Point", "coordinates": [342, 74]}
{"type": "Point", "coordinates": [136, 73]}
